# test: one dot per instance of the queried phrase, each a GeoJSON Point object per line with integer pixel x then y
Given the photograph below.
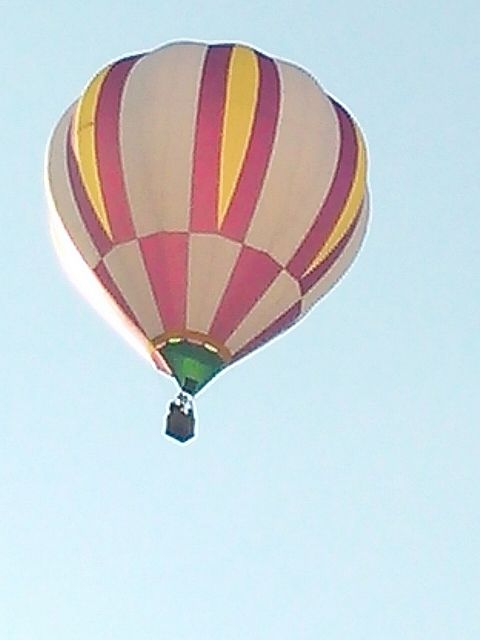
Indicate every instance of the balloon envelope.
{"type": "Point", "coordinates": [204, 197]}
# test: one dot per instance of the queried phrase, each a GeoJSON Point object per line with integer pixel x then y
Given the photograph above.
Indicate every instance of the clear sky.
{"type": "Point", "coordinates": [334, 489]}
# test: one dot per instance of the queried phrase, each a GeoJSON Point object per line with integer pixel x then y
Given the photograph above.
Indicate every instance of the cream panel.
{"type": "Point", "coordinates": [127, 269]}
{"type": "Point", "coordinates": [211, 262]}
{"type": "Point", "coordinates": [157, 127]}
{"type": "Point", "coordinates": [59, 191]}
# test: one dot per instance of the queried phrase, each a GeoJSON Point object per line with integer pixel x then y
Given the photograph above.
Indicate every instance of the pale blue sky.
{"type": "Point", "coordinates": [333, 491]}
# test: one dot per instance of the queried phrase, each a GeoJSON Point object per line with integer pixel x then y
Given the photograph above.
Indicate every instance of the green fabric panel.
{"type": "Point", "coordinates": [191, 361]}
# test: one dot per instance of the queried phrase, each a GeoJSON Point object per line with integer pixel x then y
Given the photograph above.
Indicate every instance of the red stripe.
{"type": "Point", "coordinates": [277, 327]}
{"type": "Point", "coordinates": [206, 155]}
{"type": "Point", "coordinates": [249, 185]}
{"type": "Point", "coordinates": [107, 142]}
{"type": "Point", "coordinates": [332, 207]}
{"type": "Point", "coordinates": [94, 228]}
{"type": "Point", "coordinates": [253, 273]}
{"type": "Point", "coordinates": [314, 276]}
{"type": "Point", "coordinates": [166, 260]}
{"type": "Point", "coordinates": [106, 280]}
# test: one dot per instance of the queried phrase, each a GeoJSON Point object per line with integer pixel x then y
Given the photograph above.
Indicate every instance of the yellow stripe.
{"type": "Point", "coordinates": [350, 209]}
{"type": "Point", "coordinates": [240, 104]}
{"type": "Point", "coordinates": [83, 140]}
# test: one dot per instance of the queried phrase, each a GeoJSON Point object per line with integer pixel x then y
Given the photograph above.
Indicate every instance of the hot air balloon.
{"type": "Point", "coordinates": [204, 198]}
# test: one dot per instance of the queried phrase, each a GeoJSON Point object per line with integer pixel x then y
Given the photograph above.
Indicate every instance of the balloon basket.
{"type": "Point", "coordinates": [181, 418]}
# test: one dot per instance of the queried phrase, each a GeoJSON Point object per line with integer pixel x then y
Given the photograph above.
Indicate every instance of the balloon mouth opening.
{"type": "Point", "coordinates": [193, 360]}
{"type": "Point", "coordinates": [195, 338]}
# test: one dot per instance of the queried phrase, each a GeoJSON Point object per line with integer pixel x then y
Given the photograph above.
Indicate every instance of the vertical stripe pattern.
{"type": "Point", "coordinates": [208, 140]}
{"type": "Point", "coordinates": [240, 105]}
{"type": "Point", "coordinates": [258, 152]}
{"type": "Point", "coordinates": [110, 173]}
{"type": "Point", "coordinates": [96, 229]}
{"type": "Point", "coordinates": [337, 196]}
{"type": "Point", "coordinates": [215, 193]}
{"type": "Point", "coordinates": [61, 197]}
{"type": "Point", "coordinates": [83, 135]}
